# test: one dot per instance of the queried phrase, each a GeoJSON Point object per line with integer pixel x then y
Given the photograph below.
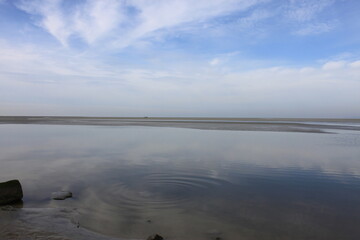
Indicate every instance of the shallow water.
{"type": "Point", "coordinates": [133, 181]}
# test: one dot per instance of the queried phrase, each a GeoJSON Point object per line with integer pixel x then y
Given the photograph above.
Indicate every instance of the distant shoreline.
{"type": "Point", "coordinates": [313, 125]}
{"type": "Point", "coordinates": [357, 120]}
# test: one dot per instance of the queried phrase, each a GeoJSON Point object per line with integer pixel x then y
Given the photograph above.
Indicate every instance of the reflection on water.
{"type": "Point", "coordinates": [130, 182]}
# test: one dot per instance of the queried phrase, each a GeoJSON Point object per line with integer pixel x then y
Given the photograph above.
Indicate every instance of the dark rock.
{"type": "Point", "coordinates": [10, 192]}
{"type": "Point", "coordinates": [155, 237]}
{"type": "Point", "coordinates": [61, 195]}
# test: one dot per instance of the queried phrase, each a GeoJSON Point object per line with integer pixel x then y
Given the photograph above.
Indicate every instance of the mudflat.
{"type": "Point", "coordinates": [246, 124]}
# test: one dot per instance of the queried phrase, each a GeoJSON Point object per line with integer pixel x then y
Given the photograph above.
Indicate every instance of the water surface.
{"type": "Point", "coordinates": [133, 181]}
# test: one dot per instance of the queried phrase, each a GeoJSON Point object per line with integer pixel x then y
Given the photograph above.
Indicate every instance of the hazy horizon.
{"type": "Point", "coordinates": [180, 58]}
{"type": "Point", "coordinates": [178, 117]}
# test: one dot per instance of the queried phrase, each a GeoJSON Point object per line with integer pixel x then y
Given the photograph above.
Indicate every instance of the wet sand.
{"type": "Point", "coordinates": [313, 125]}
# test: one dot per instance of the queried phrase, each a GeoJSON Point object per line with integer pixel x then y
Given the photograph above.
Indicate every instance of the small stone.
{"type": "Point", "coordinates": [149, 221]}
{"type": "Point", "coordinates": [155, 237]}
{"type": "Point", "coordinates": [10, 192]}
{"type": "Point", "coordinates": [61, 195]}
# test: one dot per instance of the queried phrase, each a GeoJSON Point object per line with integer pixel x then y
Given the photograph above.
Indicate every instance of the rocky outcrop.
{"type": "Point", "coordinates": [10, 192]}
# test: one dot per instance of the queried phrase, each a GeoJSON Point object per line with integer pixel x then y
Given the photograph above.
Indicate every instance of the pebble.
{"type": "Point", "coordinates": [61, 195]}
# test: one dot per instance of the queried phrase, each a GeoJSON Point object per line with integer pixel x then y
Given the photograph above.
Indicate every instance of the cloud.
{"type": "Point", "coordinates": [52, 18]}
{"type": "Point", "coordinates": [315, 28]}
{"type": "Point", "coordinates": [121, 23]}
{"type": "Point", "coordinates": [86, 85]}
{"type": "Point", "coordinates": [214, 61]}
{"type": "Point", "coordinates": [89, 20]}
{"type": "Point", "coordinates": [177, 60]}
{"type": "Point", "coordinates": [306, 16]}
{"type": "Point", "coordinates": [97, 18]}
{"type": "Point", "coordinates": [157, 15]}
{"type": "Point", "coordinates": [334, 65]}
{"type": "Point", "coordinates": [355, 64]}
{"type": "Point", "coordinates": [124, 22]}
{"type": "Point", "coordinates": [306, 10]}
{"type": "Point", "coordinates": [254, 17]}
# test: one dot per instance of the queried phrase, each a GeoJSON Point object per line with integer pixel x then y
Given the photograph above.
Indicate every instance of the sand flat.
{"type": "Point", "coordinates": [314, 125]}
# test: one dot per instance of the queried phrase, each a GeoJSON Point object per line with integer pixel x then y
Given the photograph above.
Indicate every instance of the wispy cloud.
{"type": "Point", "coordinates": [254, 17]}
{"type": "Point", "coordinates": [123, 23]}
{"type": "Point", "coordinates": [134, 19]}
{"type": "Point", "coordinates": [89, 20]}
{"type": "Point", "coordinates": [306, 16]}
{"type": "Point", "coordinates": [306, 10]}
{"type": "Point", "coordinates": [315, 28]}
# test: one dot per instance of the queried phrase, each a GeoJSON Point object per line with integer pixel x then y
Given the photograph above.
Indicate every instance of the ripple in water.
{"type": "Point", "coordinates": [159, 190]}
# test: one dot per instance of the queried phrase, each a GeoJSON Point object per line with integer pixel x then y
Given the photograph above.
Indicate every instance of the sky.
{"type": "Point", "coordinates": [180, 58]}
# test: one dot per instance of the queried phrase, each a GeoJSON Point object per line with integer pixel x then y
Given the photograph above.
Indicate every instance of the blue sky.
{"type": "Point", "coordinates": [220, 58]}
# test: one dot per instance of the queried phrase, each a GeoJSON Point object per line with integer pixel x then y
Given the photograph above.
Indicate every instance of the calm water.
{"type": "Point", "coordinates": [130, 182]}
